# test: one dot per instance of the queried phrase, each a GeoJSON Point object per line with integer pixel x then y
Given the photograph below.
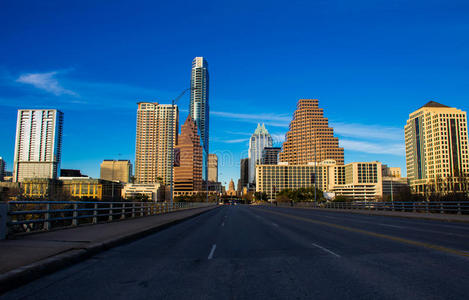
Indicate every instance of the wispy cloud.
{"type": "Point", "coordinates": [363, 131]}
{"type": "Point", "coordinates": [278, 137]}
{"type": "Point", "coordinates": [372, 147]}
{"type": "Point", "coordinates": [46, 82]}
{"type": "Point", "coordinates": [271, 119]}
{"type": "Point", "coordinates": [239, 132]}
{"type": "Point", "coordinates": [76, 94]}
{"type": "Point", "coordinates": [234, 141]}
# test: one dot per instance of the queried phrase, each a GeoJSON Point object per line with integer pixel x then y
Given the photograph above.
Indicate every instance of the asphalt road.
{"type": "Point", "coordinates": [245, 252]}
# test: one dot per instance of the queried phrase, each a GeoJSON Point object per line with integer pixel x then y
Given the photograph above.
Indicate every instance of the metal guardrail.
{"type": "Point", "coordinates": [33, 216]}
{"type": "Point", "coordinates": [459, 208]}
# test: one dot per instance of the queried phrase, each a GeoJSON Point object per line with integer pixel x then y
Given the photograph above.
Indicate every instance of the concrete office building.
{"type": "Point", "coordinates": [199, 106]}
{"type": "Point", "coordinates": [212, 168]}
{"type": "Point", "coordinates": [188, 174]}
{"type": "Point", "coordinates": [310, 139]}
{"type": "Point", "coordinates": [396, 184]}
{"type": "Point", "coordinates": [85, 187]}
{"type": "Point", "coordinates": [74, 187]}
{"type": "Point", "coordinates": [436, 149]}
{"type": "Point", "coordinates": [391, 171]}
{"type": "Point", "coordinates": [357, 180]}
{"type": "Point", "coordinates": [258, 141]}
{"type": "Point", "coordinates": [393, 183]}
{"type": "Point", "coordinates": [157, 127]}
{"type": "Point", "coordinates": [270, 155]}
{"type": "Point", "coordinates": [38, 144]}
{"type": "Point", "coordinates": [152, 191]}
{"type": "Point", "coordinates": [116, 170]}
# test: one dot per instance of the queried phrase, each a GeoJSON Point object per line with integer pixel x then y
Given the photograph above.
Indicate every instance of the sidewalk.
{"type": "Point", "coordinates": [33, 255]}
{"type": "Point", "coordinates": [398, 214]}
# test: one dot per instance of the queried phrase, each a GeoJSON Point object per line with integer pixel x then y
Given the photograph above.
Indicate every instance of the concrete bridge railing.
{"type": "Point", "coordinates": [17, 217]}
{"type": "Point", "coordinates": [459, 207]}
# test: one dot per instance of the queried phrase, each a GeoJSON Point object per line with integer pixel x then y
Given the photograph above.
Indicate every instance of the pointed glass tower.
{"type": "Point", "coordinates": [258, 141]}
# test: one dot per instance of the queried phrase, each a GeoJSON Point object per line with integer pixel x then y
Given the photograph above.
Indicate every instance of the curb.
{"type": "Point", "coordinates": [25, 274]}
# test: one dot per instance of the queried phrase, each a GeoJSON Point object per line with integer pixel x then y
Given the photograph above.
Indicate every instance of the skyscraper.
{"type": "Point", "coordinates": [157, 127]}
{"type": "Point", "coordinates": [2, 169]}
{"type": "Point", "coordinates": [116, 170]}
{"type": "Point", "coordinates": [310, 139]}
{"type": "Point", "coordinates": [436, 149]}
{"type": "Point", "coordinates": [212, 168]}
{"type": "Point", "coordinates": [199, 106]}
{"type": "Point", "coordinates": [244, 172]}
{"type": "Point", "coordinates": [258, 141]}
{"type": "Point", "coordinates": [270, 155]}
{"type": "Point", "coordinates": [38, 144]}
{"type": "Point", "coordinates": [188, 174]}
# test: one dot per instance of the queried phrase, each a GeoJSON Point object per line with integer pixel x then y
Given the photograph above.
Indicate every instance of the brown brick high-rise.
{"type": "Point", "coordinates": [310, 139]}
{"type": "Point", "coordinates": [188, 175]}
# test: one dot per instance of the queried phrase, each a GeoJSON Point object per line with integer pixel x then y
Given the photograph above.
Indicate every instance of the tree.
{"type": "Point", "coordinates": [260, 196]}
{"type": "Point", "coordinates": [139, 198]}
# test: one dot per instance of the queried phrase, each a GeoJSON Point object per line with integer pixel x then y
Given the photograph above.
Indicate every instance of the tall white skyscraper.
{"type": "Point", "coordinates": [157, 127]}
{"type": "Point", "coordinates": [199, 108]}
{"type": "Point", "coordinates": [38, 144]}
{"type": "Point", "coordinates": [258, 141]}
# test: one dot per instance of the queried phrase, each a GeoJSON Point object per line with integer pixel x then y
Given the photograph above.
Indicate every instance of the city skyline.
{"type": "Point", "coordinates": [367, 98]}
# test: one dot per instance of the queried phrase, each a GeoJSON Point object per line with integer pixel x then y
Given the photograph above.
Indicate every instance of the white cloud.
{"type": "Point", "coordinates": [278, 137]}
{"type": "Point", "coordinates": [374, 148]}
{"type": "Point", "coordinates": [368, 131]}
{"type": "Point", "coordinates": [46, 82]}
{"type": "Point", "coordinates": [234, 141]}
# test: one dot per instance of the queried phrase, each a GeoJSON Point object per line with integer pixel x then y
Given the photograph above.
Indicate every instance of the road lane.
{"type": "Point", "coordinates": [243, 252]}
{"type": "Point", "coordinates": [432, 232]}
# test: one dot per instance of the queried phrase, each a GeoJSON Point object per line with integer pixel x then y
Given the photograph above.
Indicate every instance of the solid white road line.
{"type": "Point", "coordinates": [326, 250]}
{"type": "Point", "coordinates": [275, 224]}
{"type": "Point", "coordinates": [223, 224]}
{"type": "Point", "coordinates": [210, 255]}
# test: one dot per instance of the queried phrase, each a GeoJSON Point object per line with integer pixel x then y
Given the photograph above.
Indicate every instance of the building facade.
{"type": "Point", "coordinates": [356, 181]}
{"type": "Point", "coordinates": [310, 139]}
{"type": "Point", "coordinates": [70, 187]}
{"type": "Point", "coordinates": [152, 191]}
{"type": "Point", "coordinates": [38, 144]}
{"type": "Point", "coordinates": [258, 141]}
{"type": "Point", "coordinates": [157, 127]}
{"type": "Point", "coordinates": [188, 172]}
{"type": "Point", "coordinates": [116, 170]}
{"type": "Point", "coordinates": [199, 105]}
{"type": "Point", "coordinates": [213, 167]}
{"type": "Point", "coordinates": [244, 172]}
{"type": "Point", "coordinates": [270, 155]}
{"type": "Point", "coordinates": [436, 149]}
{"type": "Point", "coordinates": [99, 189]}
{"type": "Point", "coordinates": [391, 171]}
{"type": "Point", "coordinates": [71, 173]}
{"type": "Point", "coordinates": [2, 169]}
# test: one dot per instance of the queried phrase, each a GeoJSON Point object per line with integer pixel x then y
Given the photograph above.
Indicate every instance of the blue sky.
{"type": "Point", "coordinates": [370, 63]}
